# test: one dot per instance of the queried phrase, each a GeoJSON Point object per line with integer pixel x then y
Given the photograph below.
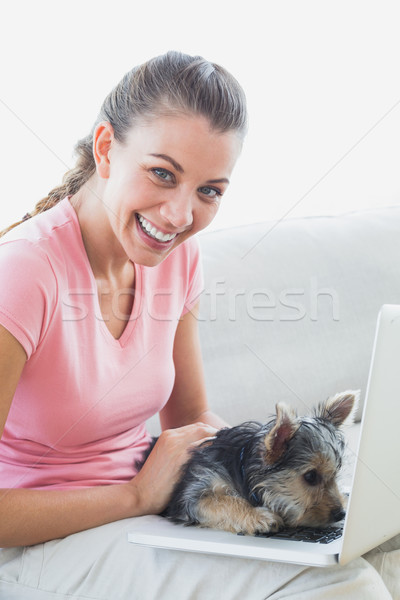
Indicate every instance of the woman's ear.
{"type": "Point", "coordinates": [102, 139]}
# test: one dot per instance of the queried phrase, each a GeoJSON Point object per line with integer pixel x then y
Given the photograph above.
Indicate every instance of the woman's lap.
{"type": "Point", "coordinates": [101, 564]}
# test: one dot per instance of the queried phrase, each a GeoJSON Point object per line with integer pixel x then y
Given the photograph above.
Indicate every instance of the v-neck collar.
{"type": "Point", "coordinates": [138, 286]}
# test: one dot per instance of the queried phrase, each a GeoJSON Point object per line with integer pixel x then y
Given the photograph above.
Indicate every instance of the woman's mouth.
{"type": "Point", "coordinates": [153, 236]}
{"type": "Point", "coordinates": [153, 232]}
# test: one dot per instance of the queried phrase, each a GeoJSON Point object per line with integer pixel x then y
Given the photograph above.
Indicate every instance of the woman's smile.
{"type": "Point", "coordinates": [152, 236]}
{"type": "Point", "coordinates": [153, 231]}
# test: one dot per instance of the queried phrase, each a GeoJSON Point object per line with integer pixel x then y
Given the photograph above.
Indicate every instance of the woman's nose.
{"type": "Point", "coordinates": [177, 210]}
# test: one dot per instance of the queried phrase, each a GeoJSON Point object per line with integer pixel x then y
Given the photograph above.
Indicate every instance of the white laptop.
{"type": "Point", "coordinates": [373, 512]}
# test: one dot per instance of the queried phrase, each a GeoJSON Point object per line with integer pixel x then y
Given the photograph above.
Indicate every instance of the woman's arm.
{"type": "Point", "coordinates": [12, 362]}
{"type": "Point", "coordinates": [32, 516]}
{"type": "Point", "coordinates": [188, 400]}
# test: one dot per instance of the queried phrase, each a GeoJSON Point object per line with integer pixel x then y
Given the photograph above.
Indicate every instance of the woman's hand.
{"type": "Point", "coordinates": [154, 483]}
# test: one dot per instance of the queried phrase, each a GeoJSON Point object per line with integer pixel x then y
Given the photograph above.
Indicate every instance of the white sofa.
{"type": "Point", "coordinates": [289, 309]}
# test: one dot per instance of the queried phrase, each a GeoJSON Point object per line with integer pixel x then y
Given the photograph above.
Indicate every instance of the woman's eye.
{"type": "Point", "coordinates": [210, 192]}
{"type": "Point", "coordinates": [163, 174]}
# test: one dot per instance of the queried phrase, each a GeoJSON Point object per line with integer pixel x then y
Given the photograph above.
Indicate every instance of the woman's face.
{"type": "Point", "coordinates": [164, 183]}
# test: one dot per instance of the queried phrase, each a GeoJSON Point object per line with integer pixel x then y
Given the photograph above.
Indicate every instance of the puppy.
{"type": "Point", "coordinates": [256, 478]}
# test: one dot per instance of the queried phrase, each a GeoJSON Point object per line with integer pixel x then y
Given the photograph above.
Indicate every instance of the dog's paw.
{"type": "Point", "coordinates": [262, 520]}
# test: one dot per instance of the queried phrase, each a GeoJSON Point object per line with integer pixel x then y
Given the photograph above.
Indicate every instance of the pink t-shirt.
{"type": "Point", "coordinates": [77, 417]}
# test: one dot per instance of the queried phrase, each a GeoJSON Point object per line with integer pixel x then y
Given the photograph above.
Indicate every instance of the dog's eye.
{"type": "Point", "coordinates": [312, 477]}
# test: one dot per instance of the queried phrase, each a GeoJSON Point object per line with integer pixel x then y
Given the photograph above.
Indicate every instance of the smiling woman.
{"type": "Point", "coordinates": [90, 349]}
{"type": "Point", "coordinates": [169, 172]}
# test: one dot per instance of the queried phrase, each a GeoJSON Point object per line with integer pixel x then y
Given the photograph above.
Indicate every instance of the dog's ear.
{"type": "Point", "coordinates": [340, 409]}
{"type": "Point", "coordinates": [277, 439]}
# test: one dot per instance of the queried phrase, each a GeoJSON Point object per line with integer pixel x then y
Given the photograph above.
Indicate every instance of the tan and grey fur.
{"type": "Point", "coordinates": [256, 478]}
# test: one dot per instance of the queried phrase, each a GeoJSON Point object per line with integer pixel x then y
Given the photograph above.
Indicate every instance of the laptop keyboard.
{"type": "Point", "coordinates": [307, 534]}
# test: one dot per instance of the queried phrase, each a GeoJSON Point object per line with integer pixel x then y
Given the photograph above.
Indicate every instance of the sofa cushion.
{"type": "Point", "coordinates": [289, 309]}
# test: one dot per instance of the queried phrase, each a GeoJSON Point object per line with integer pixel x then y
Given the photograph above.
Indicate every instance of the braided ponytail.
{"type": "Point", "coordinates": [72, 181]}
{"type": "Point", "coordinates": [168, 84]}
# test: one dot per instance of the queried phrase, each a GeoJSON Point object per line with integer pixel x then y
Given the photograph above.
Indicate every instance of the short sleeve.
{"type": "Point", "coordinates": [195, 285]}
{"type": "Point", "coordinates": [28, 292]}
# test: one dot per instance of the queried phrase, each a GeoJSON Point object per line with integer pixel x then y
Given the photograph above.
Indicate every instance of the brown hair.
{"type": "Point", "coordinates": [167, 84]}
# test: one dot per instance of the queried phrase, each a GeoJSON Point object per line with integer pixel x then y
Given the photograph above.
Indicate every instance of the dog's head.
{"type": "Point", "coordinates": [303, 457]}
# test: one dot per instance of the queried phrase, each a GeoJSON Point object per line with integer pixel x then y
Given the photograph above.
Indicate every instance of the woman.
{"type": "Point", "coordinates": [98, 332]}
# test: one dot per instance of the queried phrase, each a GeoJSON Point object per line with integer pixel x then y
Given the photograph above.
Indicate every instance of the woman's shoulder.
{"type": "Point", "coordinates": [21, 255]}
{"type": "Point", "coordinates": [32, 250]}
{"type": "Point", "coordinates": [26, 273]}
{"type": "Point", "coordinates": [45, 239]}
{"type": "Point", "coordinates": [29, 290]}
{"type": "Point", "coordinates": [44, 226]}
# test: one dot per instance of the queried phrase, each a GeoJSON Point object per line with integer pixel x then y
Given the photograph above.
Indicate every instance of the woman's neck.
{"type": "Point", "coordinates": [106, 256]}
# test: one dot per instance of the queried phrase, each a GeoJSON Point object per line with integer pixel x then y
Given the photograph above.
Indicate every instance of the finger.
{"type": "Point", "coordinates": [204, 440]}
{"type": "Point", "coordinates": [207, 429]}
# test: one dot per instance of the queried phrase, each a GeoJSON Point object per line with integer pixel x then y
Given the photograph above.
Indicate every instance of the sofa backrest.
{"type": "Point", "coordinates": [289, 309]}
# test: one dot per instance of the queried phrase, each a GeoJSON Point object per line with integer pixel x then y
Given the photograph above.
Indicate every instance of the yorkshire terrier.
{"type": "Point", "coordinates": [256, 478]}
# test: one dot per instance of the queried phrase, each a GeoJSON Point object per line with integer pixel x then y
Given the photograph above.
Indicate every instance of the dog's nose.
{"type": "Point", "coordinates": [337, 514]}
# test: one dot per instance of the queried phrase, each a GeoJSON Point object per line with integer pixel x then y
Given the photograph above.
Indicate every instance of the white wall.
{"type": "Point", "coordinates": [322, 80]}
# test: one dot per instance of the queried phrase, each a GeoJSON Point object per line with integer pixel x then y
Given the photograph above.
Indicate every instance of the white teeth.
{"type": "Point", "coordinates": [155, 233]}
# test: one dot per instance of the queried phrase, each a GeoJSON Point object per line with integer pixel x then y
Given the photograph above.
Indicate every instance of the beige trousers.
{"type": "Point", "coordinates": [100, 564]}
